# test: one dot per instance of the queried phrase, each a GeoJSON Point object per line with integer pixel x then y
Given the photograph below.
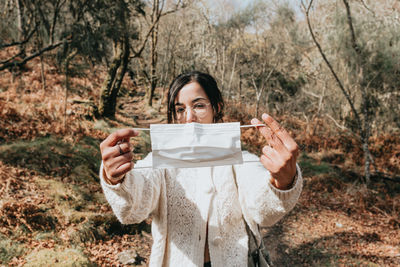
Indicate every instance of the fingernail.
{"type": "Point", "coordinates": [265, 116]}
{"type": "Point", "coordinates": [254, 121]}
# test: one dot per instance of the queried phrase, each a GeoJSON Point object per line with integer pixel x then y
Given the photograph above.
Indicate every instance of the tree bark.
{"type": "Point", "coordinates": [108, 95]}
{"type": "Point", "coordinates": [21, 26]}
{"type": "Point", "coordinates": [231, 78]}
{"type": "Point", "coordinates": [153, 63]}
{"type": "Point", "coordinates": [42, 73]}
{"type": "Point", "coordinates": [66, 68]}
{"type": "Point", "coordinates": [124, 66]}
{"type": "Point", "coordinates": [366, 124]}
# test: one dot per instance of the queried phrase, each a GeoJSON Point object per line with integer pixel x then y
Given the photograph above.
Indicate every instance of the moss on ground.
{"type": "Point", "coordinates": [312, 167]}
{"type": "Point", "coordinates": [57, 257]}
{"type": "Point", "coordinates": [53, 156]}
{"type": "Point", "coordinates": [9, 249]}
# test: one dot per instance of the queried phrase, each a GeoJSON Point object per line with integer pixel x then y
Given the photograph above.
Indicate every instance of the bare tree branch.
{"type": "Point", "coordinates": [338, 81]}
{"type": "Point", "coordinates": [11, 58]}
{"type": "Point", "coordinates": [20, 42]}
{"type": "Point", "coordinates": [343, 128]}
{"type": "Point", "coordinates": [311, 93]}
{"type": "Point", "coordinates": [19, 63]}
{"type": "Point", "coordinates": [352, 32]}
{"type": "Point", "coordinates": [365, 5]}
{"type": "Point", "coordinates": [138, 53]}
{"type": "Point", "coordinates": [366, 126]}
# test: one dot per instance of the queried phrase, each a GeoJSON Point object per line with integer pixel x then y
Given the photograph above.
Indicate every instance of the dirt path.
{"type": "Point", "coordinates": [326, 230]}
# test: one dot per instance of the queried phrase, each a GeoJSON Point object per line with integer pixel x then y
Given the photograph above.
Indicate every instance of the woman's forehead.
{"type": "Point", "coordinates": [191, 92]}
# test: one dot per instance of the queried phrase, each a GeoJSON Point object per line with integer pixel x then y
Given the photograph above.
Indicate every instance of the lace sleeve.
{"type": "Point", "coordinates": [261, 202]}
{"type": "Point", "coordinates": [138, 195]}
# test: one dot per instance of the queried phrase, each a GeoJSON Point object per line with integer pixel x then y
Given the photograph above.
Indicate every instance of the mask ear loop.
{"type": "Point", "coordinates": [252, 125]}
{"type": "Point", "coordinates": [141, 129]}
{"type": "Point", "coordinates": [242, 126]}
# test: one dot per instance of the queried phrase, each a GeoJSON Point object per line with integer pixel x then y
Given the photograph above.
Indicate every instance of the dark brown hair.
{"type": "Point", "coordinates": [209, 85]}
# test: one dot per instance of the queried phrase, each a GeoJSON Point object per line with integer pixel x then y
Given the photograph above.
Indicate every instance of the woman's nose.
{"type": "Point", "coordinates": [190, 115]}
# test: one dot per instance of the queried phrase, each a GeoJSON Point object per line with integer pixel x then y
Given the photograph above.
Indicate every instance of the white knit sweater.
{"type": "Point", "coordinates": [182, 202]}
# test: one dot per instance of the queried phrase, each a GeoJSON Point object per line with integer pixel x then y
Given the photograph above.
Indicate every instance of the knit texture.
{"type": "Point", "coordinates": [183, 201]}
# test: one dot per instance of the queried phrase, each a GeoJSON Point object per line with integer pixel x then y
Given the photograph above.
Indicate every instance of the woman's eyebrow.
{"type": "Point", "coordinates": [193, 101]}
{"type": "Point", "coordinates": [198, 99]}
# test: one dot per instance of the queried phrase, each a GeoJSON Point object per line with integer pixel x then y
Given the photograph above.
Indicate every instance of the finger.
{"type": "Point", "coordinates": [268, 163]}
{"type": "Point", "coordinates": [272, 123]}
{"type": "Point", "coordinates": [122, 148]}
{"type": "Point", "coordinates": [279, 158]}
{"type": "Point", "coordinates": [281, 133]}
{"type": "Point", "coordinates": [124, 168]}
{"type": "Point", "coordinates": [270, 166]}
{"type": "Point", "coordinates": [263, 130]}
{"type": "Point", "coordinates": [108, 153]}
{"type": "Point", "coordinates": [120, 135]}
{"type": "Point", "coordinates": [117, 173]}
{"type": "Point", "coordinates": [280, 161]}
{"type": "Point", "coordinates": [113, 164]}
{"type": "Point", "coordinates": [122, 158]}
{"type": "Point", "coordinates": [271, 138]}
{"type": "Point", "coordinates": [268, 151]}
{"type": "Point", "coordinates": [255, 121]}
{"type": "Point", "coordinates": [277, 144]}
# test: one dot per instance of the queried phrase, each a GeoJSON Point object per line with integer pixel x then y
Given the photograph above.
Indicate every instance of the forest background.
{"type": "Point", "coordinates": [71, 72]}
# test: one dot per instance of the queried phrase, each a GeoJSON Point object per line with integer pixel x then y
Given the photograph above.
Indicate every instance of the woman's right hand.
{"type": "Point", "coordinates": [116, 153]}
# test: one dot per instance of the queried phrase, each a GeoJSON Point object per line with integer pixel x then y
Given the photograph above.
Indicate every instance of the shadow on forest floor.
{"type": "Point", "coordinates": [331, 250]}
{"type": "Point", "coordinates": [338, 221]}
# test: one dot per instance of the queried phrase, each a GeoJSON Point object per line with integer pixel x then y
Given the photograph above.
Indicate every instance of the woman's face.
{"type": "Point", "coordinates": [193, 105]}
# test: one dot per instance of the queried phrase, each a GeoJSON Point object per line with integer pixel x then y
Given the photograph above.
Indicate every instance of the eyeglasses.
{"type": "Point", "coordinates": [199, 109]}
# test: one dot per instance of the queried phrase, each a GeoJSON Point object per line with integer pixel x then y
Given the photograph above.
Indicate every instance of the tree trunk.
{"type": "Point", "coordinates": [153, 64]}
{"type": "Point", "coordinates": [231, 78]}
{"type": "Point", "coordinates": [365, 137]}
{"type": "Point", "coordinates": [367, 162]}
{"type": "Point", "coordinates": [21, 26]}
{"type": "Point", "coordinates": [115, 76]}
{"type": "Point", "coordinates": [366, 120]}
{"type": "Point", "coordinates": [258, 96]}
{"type": "Point", "coordinates": [42, 73]}
{"type": "Point", "coordinates": [122, 70]}
{"type": "Point", "coordinates": [66, 68]}
{"type": "Point", "coordinates": [240, 87]}
{"type": "Point", "coordinates": [363, 123]}
{"type": "Point", "coordinates": [40, 44]}
{"type": "Point", "coordinates": [153, 74]}
{"type": "Point", "coordinates": [223, 68]}
{"type": "Point", "coordinates": [107, 101]}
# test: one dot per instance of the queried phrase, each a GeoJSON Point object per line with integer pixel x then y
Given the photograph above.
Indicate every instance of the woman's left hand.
{"type": "Point", "coordinates": [280, 155]}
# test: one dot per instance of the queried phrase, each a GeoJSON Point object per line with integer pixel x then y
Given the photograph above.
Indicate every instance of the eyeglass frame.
{"type": "Point", "coordinates": [192, 108]}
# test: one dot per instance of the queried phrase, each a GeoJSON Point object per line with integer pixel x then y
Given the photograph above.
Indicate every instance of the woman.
{"type": "Point", "coordinates": [200, 214]}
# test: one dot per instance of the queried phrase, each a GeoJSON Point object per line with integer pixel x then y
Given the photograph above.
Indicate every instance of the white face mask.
{"type": "Point", "coordinates": [195, 145]}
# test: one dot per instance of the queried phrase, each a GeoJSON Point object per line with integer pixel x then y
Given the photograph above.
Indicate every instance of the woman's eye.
{"type": "Point", "coordinates": [200, 106]}
{"type": "Point", "coordinates": [180, 110]}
